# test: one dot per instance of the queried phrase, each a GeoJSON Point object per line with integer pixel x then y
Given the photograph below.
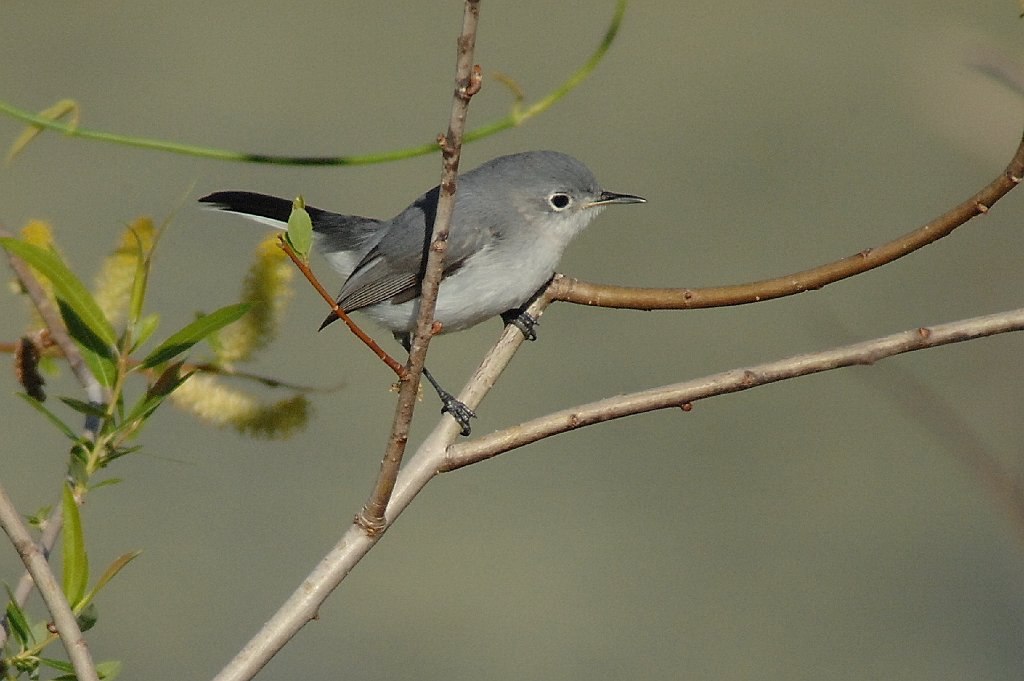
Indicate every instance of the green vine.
{"type": "Point", "coordinates": [518, 115]}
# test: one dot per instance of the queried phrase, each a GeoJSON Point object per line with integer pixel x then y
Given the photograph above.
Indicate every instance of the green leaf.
{"type": "Point", "coordinates": [66, 286]}
{"type": "Point", "coordinates": [118, 452]}
{"type": "Point", "coordinates": [102, 368]}
{"type": "Point", "coordinates": [37, 519]}
{"type": "Point", "coordinates": [193, 333]}
{"type": "Point", "coordinates": [97, 354]}
{"type": "Point", "coordinates": [65, 107]}
{"type": "Point", "coordinates": [300, 229]}
{"type": "Point", "coordinates": [87, 408]}
{"type": "Point", "coordinates": [167, 383]}
{"type": "Point", "coordinates": [76, 562]}
{"type": "Point", "coordinates": [87, 616]}
{"type": "Point", "coordinates": [139, 283]}
{"type": "Point", "coordinates": [104, 483]}
{"type": "Point", "coordinates": [59, 665]}
{"type": "Point", "coordinates": [108, 669]}
{"type": "Point", "coordinates": [17, 621]}
{"type": "Point", "coordinates": [53, 418]}
{"type": "Point", "coordinates": [144, 329]}
{"type": "Point", "coordinates": [81, 332]}
{"type": "Point", "coordinates": [79, 458]}
{"type": "Point", "coordinates": [107, 575]}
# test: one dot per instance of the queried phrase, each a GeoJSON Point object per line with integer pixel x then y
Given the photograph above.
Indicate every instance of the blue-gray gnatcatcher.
{"type": "Point", "coordinates": [514, 217]}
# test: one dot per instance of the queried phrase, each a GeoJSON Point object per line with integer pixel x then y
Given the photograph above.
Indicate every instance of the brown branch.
{"type": "Point", "coordinates": [436, 455]}
{"type": "Point", "coordinates": [683, 395]}
{"type": "Point", "coordinates": [603, 295]}
{"type": "Point", "coordinates": [392, 363]}
{"type": "Point", "coordinates": [467, 83]}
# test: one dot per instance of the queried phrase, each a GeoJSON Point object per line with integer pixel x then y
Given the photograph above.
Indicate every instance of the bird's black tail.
{"type": "Point", "coordinates": [270, 208]}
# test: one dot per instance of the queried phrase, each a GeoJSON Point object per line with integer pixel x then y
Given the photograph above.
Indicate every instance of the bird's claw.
{"type": "Point", "coordinates": [523, 321]}
{"type": "Point", "coordinates": [459, 411]}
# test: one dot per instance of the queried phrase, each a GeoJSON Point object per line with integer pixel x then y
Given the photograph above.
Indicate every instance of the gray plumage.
{"type": "Point", "coordinates": [514, 217]}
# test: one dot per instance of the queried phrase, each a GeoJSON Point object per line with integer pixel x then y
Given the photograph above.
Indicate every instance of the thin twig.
{"type": "Point", "coordinates": [392, 363]}
{"type": "Point", "coordinates": [35, 561]}
{"type": "Point", "coordinates": [683, 395]}
{"type": "Point", "coordinates": [467, 84]}
{"type": "Point", "coordinates": [602, 295]}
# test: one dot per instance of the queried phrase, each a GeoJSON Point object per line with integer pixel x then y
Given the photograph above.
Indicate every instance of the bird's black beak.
{"type": "Point", "coordinates": [608, 198]}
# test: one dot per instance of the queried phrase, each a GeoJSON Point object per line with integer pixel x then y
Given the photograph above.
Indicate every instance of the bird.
{"type": "Point", "coordinates": [514, 217]}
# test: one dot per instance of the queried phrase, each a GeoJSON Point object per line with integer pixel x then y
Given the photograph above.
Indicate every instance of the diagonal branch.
{"type": "Point", "coordinates": [603, 295]}
{"type": "Point", "coordinates": [436, 454]}
{"type": "Point", "coordinates": [683, 395]}
{"type": "Point", "coordinates": [392, 363]}
{"type": "Point", "coordinates": [35, 561]}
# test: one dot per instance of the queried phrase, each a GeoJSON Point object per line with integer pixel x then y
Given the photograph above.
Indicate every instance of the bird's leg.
{"type": "Point", "coordinates": [449, 403]}
{"type": "Point", "coordinates": [523, 321]}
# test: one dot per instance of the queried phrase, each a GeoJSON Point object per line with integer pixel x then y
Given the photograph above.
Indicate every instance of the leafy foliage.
{"type": "Point", "coordinates": [108, 327]}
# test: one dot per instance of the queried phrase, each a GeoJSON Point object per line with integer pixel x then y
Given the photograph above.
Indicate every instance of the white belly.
{"type": "Point", "coordinates": [483, 288]}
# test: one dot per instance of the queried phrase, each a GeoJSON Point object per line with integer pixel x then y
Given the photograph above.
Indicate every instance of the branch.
{"type": "Point", "coordinates": [304, 603]}
{"type": "Point", "coordinates": [436, 454]}
{"type": "Point", "coordinates": [382, 354]}
{"type": "Point", "coordinates": [602, 295]}
{"type": "Point", "coordinates": [467, 84]}
{"type": "Point", "coordinates": [93, 390]}
{"type": "Point", "coordinates": [683, 395]}
{"type": "Point", "coordinates": [35, 561]}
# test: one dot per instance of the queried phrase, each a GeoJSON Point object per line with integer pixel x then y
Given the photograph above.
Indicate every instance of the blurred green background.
{"type": "Point", "coordinates": [825, 528]}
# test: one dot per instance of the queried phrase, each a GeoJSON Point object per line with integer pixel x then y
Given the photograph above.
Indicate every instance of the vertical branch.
{"type": "Point", "coordinates": [467, 84]}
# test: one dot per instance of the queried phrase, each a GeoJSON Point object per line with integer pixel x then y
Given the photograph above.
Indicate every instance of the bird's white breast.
{"type": "Point", "coordinates": [487, 284]}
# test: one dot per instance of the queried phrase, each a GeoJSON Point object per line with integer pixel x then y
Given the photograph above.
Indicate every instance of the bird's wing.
{"type": "Point", "coordinates": [394, 266]}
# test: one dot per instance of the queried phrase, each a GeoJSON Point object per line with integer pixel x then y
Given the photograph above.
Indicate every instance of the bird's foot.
{"type": "Point", "coordinates": [524, 322]}
{"type": "Point", "coordinates": [459, 411]}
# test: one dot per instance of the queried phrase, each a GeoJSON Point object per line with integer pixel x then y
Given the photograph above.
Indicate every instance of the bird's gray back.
{"type": "Point", "coordinates": [493, 203]}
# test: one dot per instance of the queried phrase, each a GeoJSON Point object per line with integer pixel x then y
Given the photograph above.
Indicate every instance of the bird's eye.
{"type": "Point", "coordinates": [559, 201]}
